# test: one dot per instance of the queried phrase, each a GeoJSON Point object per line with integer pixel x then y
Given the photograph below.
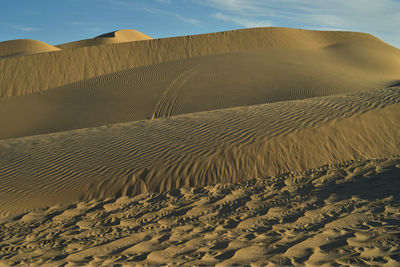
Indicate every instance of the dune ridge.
{"type": "Point", "coordinates": [50, 70]}
{"type": "Point", "coordinates": [108, 38]}
{"type": "Point", "coordinates": [126, 35]}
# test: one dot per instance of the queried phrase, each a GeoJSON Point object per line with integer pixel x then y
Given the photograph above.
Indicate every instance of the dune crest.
{"type": "Point", "coordinates": [127, 35]}
{"type": "Point", "coordinates": [115, 37]}
{"type": "Point", "coordinates": [23, 47]}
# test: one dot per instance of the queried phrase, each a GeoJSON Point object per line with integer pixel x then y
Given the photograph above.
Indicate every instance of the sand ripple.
{"type": "Point", "coordinates": [346, 214]}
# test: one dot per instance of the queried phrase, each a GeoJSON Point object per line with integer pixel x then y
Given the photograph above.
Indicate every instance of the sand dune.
{"type": "Point", "coordinates": [23, 47]}
{"type": "Point", "coordinates": [68, 66]}
{"type": "Point", "coordinates": [265, 146]}
{"type": "Point", "coordinates": [199, 84]}
{"type": "Point", "coordinates": [228, 145]}
{"type": "Point", "coordinates": [108, 38]}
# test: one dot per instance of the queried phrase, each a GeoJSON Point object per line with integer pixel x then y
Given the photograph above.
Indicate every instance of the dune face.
{"type": "Point", "coordinates": [265, 146]}
{"type": "Point", "coordinates": [198, 149]}
{"type": "Point", "coordinates": [24, 47]}
{"type": "Point", "coordinates": [88, 62]}
{"type": "Point", "coordinates": [202, 83]}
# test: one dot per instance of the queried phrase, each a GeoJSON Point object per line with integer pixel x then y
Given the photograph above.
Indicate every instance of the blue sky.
{"type": "Point", "coordinates": [60, 21]}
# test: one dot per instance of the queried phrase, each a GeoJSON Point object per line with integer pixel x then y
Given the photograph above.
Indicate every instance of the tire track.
{"type": "Point", "coordinates": [172, 95]}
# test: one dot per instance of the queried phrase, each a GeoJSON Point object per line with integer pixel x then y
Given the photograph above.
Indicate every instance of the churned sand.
{"type": "Point", "coordinates": [267, 146]}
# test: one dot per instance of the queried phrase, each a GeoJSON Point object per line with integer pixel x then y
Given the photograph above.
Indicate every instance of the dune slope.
{"type": "Point", "coordinates": [228, 145]}
{"type": "Point", "coordinates": [199, 84]}
{"type": "Point", "coordinates": [19, 77]}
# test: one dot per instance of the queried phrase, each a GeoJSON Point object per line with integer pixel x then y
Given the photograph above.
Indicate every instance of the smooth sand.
{"type": "Point", "coordinates": [267, 145]}
{"type": "Point", "coordinates": [108, 38]}
{"type": "Point", "coordinates": [23, 47]}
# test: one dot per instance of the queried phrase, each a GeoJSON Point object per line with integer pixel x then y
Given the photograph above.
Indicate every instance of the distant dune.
{"type": "Point", "coordinates": [288, 139]}
{"type": "Point", "coordinates": [51, 69]}
{"type": "Point", "coordinates": [108, 38]}
{"type": "Point", "coordinates": [288, 67]}
{"type": "Point", "coordinates": [24, 47]}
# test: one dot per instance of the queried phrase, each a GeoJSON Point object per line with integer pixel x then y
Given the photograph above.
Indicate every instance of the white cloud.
{"type": "Point", "coordinates": [381, 18]}
{"type": "Point", "coordinates": [75, 22]}
{"type": "Point", "coordinates": [185, 19]}
{"type": "Point", "coordinates": [94, 30]}
{"type": "Point", "coordinates": [175, 15]}
{"type": "Point", "coordinates": [136, 5]}
{"type": "Point", "coordinates": [164, 1]}
{"type": "Point", "coordinates": [25, 28]}
{"type": "Point", "coordinates": [245, 22]}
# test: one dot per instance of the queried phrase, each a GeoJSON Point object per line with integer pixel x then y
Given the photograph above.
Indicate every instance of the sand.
{"type": "Point", "coordinates": [344, 214]}
{"type": "Point", "coordinates": [45, 71]}
{"type": "Point", "coordinates": [23, 47]}
{"type": "Point", "coordinates": [107, 38]}
{"type": "Point", "coordinates": [266, 146]}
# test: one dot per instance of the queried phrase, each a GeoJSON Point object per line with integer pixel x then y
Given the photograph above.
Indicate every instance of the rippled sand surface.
{"type": "Point", "coordinates": [266, 146]}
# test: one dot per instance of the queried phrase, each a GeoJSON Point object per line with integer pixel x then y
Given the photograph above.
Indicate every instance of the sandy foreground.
{"type": "Point", "coordinates": [270, 146]}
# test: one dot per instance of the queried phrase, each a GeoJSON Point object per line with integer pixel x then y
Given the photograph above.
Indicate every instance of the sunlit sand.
{"type": "Point", "coordinates": [265, 146]}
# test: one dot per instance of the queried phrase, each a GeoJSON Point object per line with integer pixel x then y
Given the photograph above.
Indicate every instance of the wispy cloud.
{"type": "Point", "coordinates": [175, 15]}
{"type": "Point", "coordinates": [75, 22]}
{"type": "Point", "coordinates": [25, 28]}
{"type": "Point", "coordinates": [94, 29]}
{"type": "Point", "coordinates": [28, 29]}
{"type": "Point", "coordinates": [20, 27]}
{"type": "Point", "coordinates": [147, 7]}
{"type": "Point", "coordinates": [245, 22]}
{"type": "Point", "coordinates": [164, 1]}
{"type": "Point", "coordinates": [381, 17]}
{"type": "Point", "coordinates": [117, 4]}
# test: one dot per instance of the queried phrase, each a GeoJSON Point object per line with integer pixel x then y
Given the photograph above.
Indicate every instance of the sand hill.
{"type": "Point", "coordinates": [266, 145]}
{"type": "Point", "coordinates": [87, 62]}
{"type": "Point", "coordinates": [23, 47]}
{"type": "Point", "coordinates": [108, 38]}
{"type": "Point", "coordinates": [283, 70]}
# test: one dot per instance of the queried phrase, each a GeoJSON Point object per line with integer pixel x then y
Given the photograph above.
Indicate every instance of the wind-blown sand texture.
{"type": "Point", "coordinates": [266, 145]}
{"type": "Point", "coordinates": [344, 214]}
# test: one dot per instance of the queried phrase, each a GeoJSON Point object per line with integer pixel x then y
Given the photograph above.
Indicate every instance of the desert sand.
{"type": "Point", "coordinates": [108, 38]}
{"type": "Point", "coordinates": [271, 146]}
{"type": "Point", "coordinates": [23, 47]}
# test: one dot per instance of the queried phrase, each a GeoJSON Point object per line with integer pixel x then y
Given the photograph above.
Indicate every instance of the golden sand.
{"type": "Point", "coordinates": [266, 146]}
